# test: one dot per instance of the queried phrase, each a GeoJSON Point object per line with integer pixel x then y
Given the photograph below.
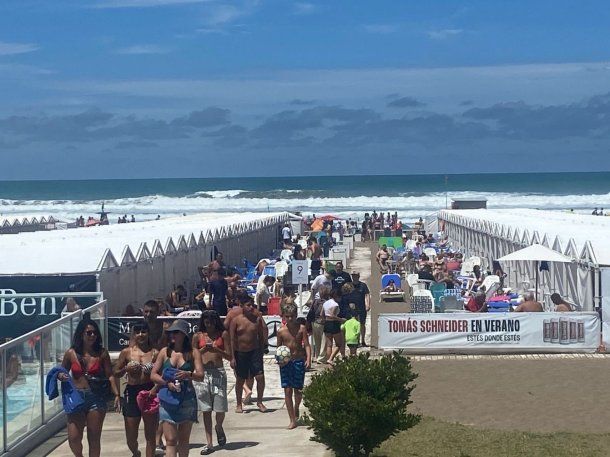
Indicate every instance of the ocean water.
{"type": "Point", "coordinates": [349, 196]}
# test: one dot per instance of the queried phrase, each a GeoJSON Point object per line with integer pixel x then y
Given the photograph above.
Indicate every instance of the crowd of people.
{"type": "Point", "coordinates": [170, 375]}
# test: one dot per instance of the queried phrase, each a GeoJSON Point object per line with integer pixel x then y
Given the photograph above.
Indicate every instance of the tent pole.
{"type": "Point", "coordinates": [536, 281]}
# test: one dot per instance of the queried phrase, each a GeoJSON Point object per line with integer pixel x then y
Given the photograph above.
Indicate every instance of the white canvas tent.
{"type": "Point", "coordinates": [138, 261]}
{"type": "Point", "coordinates": [491, 234]}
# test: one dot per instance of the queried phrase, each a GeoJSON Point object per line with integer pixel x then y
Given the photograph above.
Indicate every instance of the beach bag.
{"type": "Point", "coordinates": [148, 404]}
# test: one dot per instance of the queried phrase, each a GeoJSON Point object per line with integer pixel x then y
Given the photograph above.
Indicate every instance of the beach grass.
{"type": "Point", "coordinates": [432, 437]}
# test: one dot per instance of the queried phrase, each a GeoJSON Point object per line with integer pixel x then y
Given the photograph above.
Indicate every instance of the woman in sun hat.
{"type": "Point", "coordinates": [174, 372]}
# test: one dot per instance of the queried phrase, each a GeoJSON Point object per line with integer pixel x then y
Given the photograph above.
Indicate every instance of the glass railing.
{"type": "Point", "coordinates": [24, 364]}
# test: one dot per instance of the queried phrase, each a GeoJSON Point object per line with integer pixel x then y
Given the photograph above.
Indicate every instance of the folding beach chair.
{"type": "Point", "coordinates": [391, 296]}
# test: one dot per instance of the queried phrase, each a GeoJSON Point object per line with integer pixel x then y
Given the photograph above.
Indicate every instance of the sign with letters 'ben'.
{"type": "Point", "coordinates": [24, 314]}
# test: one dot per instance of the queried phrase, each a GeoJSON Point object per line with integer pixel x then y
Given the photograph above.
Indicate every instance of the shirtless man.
{"type": "Point", "coordinates": [316, 253]}
{"type": "Point", "coordinates": [248, 340]}
{"type": "Point", "coordinates": [530, 305]}
{"type": "Point", "coordinates": [217, 264]}
{"type": "Point", "coordinates": [294, 336]}
{"type": "Point", "coordinates": [156, 327]}
{"type": "Point", "coordinates": [561, 306]}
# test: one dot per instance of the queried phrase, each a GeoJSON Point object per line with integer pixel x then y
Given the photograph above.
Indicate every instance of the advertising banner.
{"type": "Point", "coordinates": [24, 314]}
{"type": "Point", "coordinates": [119, 330]}
{"type": "Point", "coordinates": [490, 333]}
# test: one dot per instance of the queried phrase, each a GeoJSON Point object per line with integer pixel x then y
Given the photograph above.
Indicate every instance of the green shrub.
{"type": "Point", "coordinates": [360, 403]}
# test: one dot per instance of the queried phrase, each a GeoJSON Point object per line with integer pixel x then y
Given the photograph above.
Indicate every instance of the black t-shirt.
{"type": "Point", "coordinates": [340, 278]}
{"type": "Point", "coordinates": [218, 288]}
{"type": "Point", "coordinates": [362, 290]}
{"type": "Point", "coordinates": [423, 274]}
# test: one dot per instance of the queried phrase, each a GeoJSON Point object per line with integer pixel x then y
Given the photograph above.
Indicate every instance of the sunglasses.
{"type": "Point", "coordinates": [91, 333]}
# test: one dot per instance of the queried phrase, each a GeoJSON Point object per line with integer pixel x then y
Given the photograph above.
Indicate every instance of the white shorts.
{"type": "Point", "coordinates": [212, 391]}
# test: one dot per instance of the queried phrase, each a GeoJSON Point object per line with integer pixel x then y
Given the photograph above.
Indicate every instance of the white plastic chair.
{"type": "Point", "coordinates": [413, 281]}
{"type": "Point", "coordinates": [475, 260]}
{"type": "Point", "coordinates": [489, 281]}
{"type": "Point", "coordinates": [286, 254]}
{"type": "Point", "coordinates": [467, 268]}
{"type": "Point", "coordinates": [281, 268]}
{"type": "Point", "coordinates": [430, 252]}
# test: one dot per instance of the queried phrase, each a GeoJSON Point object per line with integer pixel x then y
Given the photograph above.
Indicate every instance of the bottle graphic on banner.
{"type": "Point", "coordinates": [554, 330]}
{"type": "Point", "coordinates": [580, 325]}
{"type": "Point", "coordinates": [546, 331]}
{"type": "Point", "coordinates": [564, 330]}
{"type": "Point", "coordinates": [573, 331]}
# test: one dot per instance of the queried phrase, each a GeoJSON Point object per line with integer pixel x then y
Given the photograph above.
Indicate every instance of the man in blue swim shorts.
{"type": "Point", "coordinates": [292, 374]}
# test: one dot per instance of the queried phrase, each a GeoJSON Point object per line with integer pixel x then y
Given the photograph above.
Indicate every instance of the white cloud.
{"type": "Point", "coordinates": [141, 3]}
{"type": "Point", "coordinates": [223, 14]}
{"type": "Point", "coordinates": [143, 49]}
{"type": "Point", "coordinates": [9, 49]}
{"type": "Point", "coordinates": [444, 33]}
{"type": "Point", "coordinates": [381, 28]}
{"type": "Point", "coordinates": [304, 8]}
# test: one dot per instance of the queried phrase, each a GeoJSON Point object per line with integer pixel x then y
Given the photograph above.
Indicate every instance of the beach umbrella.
{"type": "Point", "coordinates": [536, 253]}
{"type": "Point", "coordinates": [330, 217]}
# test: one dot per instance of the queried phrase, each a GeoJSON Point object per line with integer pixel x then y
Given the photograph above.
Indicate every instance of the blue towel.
{"type": "Point", "coordinates": [71, 398]}
{"type": "Point", "coordinates": [167, 396]}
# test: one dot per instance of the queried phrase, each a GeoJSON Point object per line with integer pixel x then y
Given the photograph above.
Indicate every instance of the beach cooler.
{"type": "Point", "coordinates": [273, 306]}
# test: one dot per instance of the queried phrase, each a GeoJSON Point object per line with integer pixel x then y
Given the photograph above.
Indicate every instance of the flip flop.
{"type": "Point", "coordinates": [220, 436]}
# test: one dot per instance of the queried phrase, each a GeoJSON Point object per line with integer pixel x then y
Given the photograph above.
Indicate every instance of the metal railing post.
{"type": "Point", "coordinates": [42, 383]}
{"type": "Point", "coordinates": [4, 398]}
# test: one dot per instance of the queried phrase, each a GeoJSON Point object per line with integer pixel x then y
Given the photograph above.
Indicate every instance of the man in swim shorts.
{"type": "Point", "coordinates": [248, 340]}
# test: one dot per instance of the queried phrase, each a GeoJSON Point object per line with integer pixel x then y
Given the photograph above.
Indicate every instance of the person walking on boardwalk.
{"type": "Point", "coordinates": [247, 342]}
{"type": "Point", "coordinates": [136, 361]}
{"type": "Point", "coordinates": [174, 371]}
{"type": "Point", "coordinates": [213, 344]}
{"type": "Point", "coordinates": [89, 366]}
{"type": "Point", "coordinates": [242, 295]}
{"type": "Point", "coordinates": [294, 336]}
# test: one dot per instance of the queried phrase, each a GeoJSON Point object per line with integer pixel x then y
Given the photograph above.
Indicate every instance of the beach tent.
{"type": "Point", "coordinates": [536, 253]}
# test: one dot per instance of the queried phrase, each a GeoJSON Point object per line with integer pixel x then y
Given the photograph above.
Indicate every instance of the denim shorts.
{"type": "Point", "coordinates": [186, 411]}
{"type": "Point", "coordinates": [92, 401]}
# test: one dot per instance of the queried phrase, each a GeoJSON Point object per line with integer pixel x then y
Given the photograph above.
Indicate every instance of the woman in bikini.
{"type": "Point", "coordinates": [213, 344]}
{"type": "Point", "coordinates": [89, 366]}
{"type": "Point", "coordinates": [177, 419]}
{"type": "Point", "coordinates": [137, 361]}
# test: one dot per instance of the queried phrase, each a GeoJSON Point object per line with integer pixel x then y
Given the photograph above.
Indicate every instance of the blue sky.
{"type": "Point", "coordinates": [147, 88]}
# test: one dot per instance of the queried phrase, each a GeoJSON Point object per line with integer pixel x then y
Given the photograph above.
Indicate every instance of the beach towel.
{"type": "Point", "coordinates": [71, 398]}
